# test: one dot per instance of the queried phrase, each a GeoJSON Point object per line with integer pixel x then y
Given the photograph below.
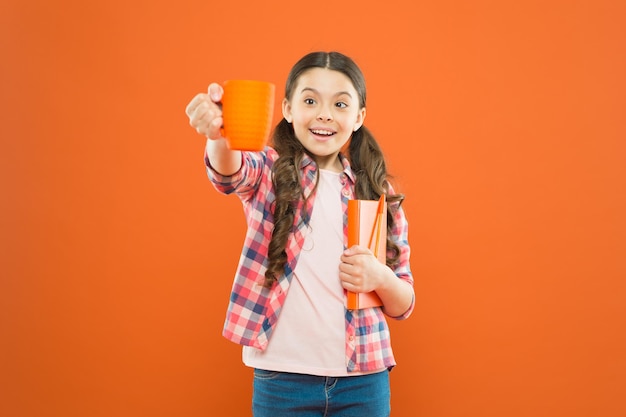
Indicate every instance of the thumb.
{"type": "Point", "coordinates": [215, 92]}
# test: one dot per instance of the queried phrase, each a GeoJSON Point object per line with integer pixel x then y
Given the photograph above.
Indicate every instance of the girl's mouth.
{"type": "Point", "coordinates": [322, 132]}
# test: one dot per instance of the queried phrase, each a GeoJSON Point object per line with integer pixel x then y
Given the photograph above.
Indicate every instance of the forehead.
{"type": "Point", "coordinates": [325, 82]}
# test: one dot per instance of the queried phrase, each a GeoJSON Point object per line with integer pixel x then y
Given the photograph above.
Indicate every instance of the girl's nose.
{"type": "Point", "coordinates": [325, 116]}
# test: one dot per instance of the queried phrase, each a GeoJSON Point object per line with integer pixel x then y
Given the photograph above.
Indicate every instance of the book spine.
{"type": "Point", "coordinates": [353, 239]}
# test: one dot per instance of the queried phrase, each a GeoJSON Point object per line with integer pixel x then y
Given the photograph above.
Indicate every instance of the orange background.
{"type": "Point", "coordinates": [503, 123]}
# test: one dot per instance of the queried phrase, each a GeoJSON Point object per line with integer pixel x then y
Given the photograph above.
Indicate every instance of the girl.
{"type": "Point", "coordinates": [311, 356]}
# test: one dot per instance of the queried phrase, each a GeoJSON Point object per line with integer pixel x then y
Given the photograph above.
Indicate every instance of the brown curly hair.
{"type": "Point", "coordinates": [363, 152]}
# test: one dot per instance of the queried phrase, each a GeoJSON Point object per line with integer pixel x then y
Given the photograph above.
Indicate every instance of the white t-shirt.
{"type": "Point", "coordinates": [309, 337]}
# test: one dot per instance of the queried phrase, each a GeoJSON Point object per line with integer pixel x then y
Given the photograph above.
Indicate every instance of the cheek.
{"type": "Point", "coordinates": [298, 117]}
{"type": "Point", "coordinates": [299, 123]}
{"type": "Point", "coordinates": [300, 127]}
{"type": "Point", "coordinates": [348, 122]}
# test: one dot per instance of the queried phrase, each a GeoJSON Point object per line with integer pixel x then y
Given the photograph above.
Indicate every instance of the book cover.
{"type": "Point", "coordinates": [367, 226]}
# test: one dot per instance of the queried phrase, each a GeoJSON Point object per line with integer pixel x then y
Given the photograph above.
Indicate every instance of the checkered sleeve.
{"type": "Point", "coordinates": [246, 181]}
{"type": "Point", "coordinates": [399, 234]}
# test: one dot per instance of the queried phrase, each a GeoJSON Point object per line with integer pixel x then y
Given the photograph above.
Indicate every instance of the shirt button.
{"type": "Point", "coordinates": [351, 338]}
{"type": "Point", "coordinates": [346, 193]}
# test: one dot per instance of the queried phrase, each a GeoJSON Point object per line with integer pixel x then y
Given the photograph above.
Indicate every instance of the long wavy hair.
{"type": "Point", "coordinates": [363, 152]}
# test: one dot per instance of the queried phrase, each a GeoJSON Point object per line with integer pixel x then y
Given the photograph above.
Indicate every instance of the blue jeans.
{"type": "Point", "coordinates": [281, 394]}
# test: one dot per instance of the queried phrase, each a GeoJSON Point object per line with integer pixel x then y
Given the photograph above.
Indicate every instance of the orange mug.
{"type": "Point", "coordinates": [247, 112]}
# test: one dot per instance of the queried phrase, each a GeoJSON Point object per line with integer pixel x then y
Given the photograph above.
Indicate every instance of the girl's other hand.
{"type": "Point", "coordinates": [359, 270]}
{"type": "Point", "coordinates": [205, 112]}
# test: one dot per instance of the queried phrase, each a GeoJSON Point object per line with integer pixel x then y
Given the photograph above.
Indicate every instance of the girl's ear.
{"type": "Point", "coordinates": [360, 118]}
{"type": "Point", "coordinates": [287, 111]}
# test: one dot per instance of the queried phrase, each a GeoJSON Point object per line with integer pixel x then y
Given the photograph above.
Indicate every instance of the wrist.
{"type": "Point", "coordinates": [387, 279]}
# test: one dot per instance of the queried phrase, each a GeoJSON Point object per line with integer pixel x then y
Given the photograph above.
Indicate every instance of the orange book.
{"type": "Point", "coordinates": [367, 226]}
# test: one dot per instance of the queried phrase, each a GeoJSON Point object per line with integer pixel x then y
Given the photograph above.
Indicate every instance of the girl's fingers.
{"type": "Point", "coordinates": [194, 103]}
{"type": "Point", "coordinates": [205, 113]}
{"type": "Point", "coordinates": [214, 129]}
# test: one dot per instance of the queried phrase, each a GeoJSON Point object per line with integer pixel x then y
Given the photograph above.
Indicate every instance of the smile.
{"type": "Point", "coordinates": [322, 132]}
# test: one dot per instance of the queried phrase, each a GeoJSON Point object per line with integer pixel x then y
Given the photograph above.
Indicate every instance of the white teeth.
{"type": "Point", "coordinates": [322, 132]}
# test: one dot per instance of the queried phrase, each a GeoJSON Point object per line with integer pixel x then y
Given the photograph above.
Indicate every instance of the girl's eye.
{"type": "Point", "coordinates": [341, 105]}
{"type": "Point", "coordinates": [309, 101]}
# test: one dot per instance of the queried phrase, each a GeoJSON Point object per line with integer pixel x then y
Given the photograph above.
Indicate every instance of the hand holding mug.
{"type": "Point", "coordinates": [241, 111]}
{"type": "Point", "coordinates": [205, 112]}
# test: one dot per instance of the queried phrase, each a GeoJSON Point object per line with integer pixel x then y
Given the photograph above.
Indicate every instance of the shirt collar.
{"type": "Point", "coordinates": [308, 162]}
{"type": "Point", "coordinates": [347, 169]}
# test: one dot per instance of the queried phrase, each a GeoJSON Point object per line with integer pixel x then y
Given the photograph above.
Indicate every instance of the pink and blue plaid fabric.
{"type": "Point", "coordinates": [253, 310]}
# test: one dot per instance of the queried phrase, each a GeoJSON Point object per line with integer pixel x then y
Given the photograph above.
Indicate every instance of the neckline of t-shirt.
{"type": "Point", "coordinates": [329, 172]}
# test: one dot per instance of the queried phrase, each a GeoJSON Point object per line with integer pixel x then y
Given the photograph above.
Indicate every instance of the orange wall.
{"type": "Point", "coordinates": [502, 121]}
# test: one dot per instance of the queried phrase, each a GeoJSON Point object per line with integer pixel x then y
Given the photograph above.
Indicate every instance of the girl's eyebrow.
{"type": "Point", "coordinates": [314, 91]}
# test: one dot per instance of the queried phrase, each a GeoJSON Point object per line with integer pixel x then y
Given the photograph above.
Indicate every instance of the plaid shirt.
{"type": "Point", "coordinates": [253, 310]}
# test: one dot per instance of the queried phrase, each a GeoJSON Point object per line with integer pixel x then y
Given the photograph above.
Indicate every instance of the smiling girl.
{"type": "Point", "coordinates": [311, 356]}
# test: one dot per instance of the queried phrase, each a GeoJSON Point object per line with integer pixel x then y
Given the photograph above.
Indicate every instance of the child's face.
{"type": "Point", "coordinates": [324, 110]}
